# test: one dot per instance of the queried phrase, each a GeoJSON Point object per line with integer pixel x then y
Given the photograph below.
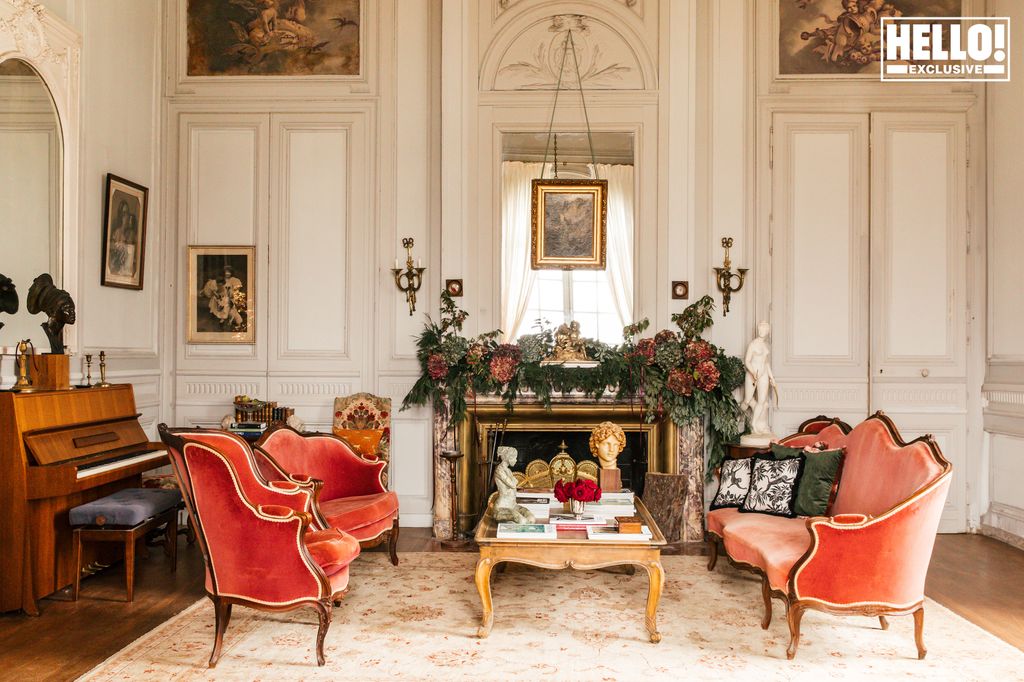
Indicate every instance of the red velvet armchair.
{"type": "Point", "coordinates": [353, 498]}
{"type": "Point", "coordinates": [870, 556]}
{"type": "Point", "coordinates": [257, 539]}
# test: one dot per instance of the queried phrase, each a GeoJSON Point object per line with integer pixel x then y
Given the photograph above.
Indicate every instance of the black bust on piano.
{"type": "Point", "coordinates": [59, 449]}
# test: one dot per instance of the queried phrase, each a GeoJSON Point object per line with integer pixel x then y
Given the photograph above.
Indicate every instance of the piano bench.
{"type": "Point", "coordinates": [126, 516]}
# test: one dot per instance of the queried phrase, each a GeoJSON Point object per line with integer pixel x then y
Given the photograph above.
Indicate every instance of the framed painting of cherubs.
{"type": "Point", "coordinates": [221, 288]}
{"type": "Point", "coordinates": [274, 37]}
{"type": "Point", "coordinates": [569, 219]}
{"type": "Point", "coordinates": [124, 234]}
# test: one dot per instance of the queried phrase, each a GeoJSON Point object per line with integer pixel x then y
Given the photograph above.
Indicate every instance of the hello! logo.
{"type": "Point", "coordinates": [945, 48]}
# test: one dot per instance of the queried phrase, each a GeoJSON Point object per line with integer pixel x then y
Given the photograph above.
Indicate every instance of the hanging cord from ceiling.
{"type": "Point", "coordinates": [569, 44]}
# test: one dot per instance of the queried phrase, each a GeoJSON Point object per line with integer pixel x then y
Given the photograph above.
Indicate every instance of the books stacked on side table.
{"type": "Point", "coordinates": [526, 531]}
{"type": "Point", "coordinates": [538, 504]}
{"type": "Point", "coordinates": [563, 521]}
{"type": "Point", "coordinates": [613, 504]}
{"type": "Point", "coordinates": [249, 430]}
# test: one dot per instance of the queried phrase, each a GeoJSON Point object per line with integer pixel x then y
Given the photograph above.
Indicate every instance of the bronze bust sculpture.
{"type": "Point", "coordinates": [8, 297]}
{"type": "Point", "coordinates": [44, 296]}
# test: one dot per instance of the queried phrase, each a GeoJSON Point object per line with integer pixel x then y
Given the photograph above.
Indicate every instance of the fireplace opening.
{"type": "Point", "coordinates": [633, 461]}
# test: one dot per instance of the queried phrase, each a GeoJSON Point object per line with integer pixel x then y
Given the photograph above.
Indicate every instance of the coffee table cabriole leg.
{"type": "Point", "coordinates": [656, 578]}
{"type": "Point", "coordinates": [483, 586]}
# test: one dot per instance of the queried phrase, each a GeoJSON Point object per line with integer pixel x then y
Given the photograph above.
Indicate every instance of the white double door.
{"type": "Point", "coordinates": [868, 259]}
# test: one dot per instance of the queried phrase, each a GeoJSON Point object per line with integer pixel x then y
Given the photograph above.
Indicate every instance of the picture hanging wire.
{"type": "Point", "coordinates": [570, 43]}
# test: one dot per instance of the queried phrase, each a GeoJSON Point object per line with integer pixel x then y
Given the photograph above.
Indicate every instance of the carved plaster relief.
{"type": "Point", "coordinates": [534, 58]}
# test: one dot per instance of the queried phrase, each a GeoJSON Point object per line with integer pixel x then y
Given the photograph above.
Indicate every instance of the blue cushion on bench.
{"type": "Point", "coordinates": [128, 507]}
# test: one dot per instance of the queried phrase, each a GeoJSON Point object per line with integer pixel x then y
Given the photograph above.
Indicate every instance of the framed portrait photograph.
{"type": "Point", "coordinates": [124, 234]}
{"type": "Point", "coordinates": [221, 294]}
{"type": "Point", "coordinates": [569, 218]}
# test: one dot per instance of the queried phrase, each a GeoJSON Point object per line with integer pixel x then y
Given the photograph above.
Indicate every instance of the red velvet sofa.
{"type": "Point", "coordinates": [353, 498]}
{"type": "Point", "coordinates": [871, 555]}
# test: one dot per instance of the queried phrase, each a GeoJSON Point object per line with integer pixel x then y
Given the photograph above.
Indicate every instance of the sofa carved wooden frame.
{"type": "Point", "coordinates": [796, 605]}
{"type": "Point", "coordinates": [222, 603]}
{"type": "Point", "coordinates": [390, 536]}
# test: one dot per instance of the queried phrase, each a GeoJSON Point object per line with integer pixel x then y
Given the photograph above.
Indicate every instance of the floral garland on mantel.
{"type": "Point", "coordinates": [674, 373]}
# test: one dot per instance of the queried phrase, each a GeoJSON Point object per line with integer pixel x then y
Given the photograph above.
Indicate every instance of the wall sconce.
{"type": "Point", "coordinates": [408, 280]}
{"type": "Point", "coordinates": [724, 277]}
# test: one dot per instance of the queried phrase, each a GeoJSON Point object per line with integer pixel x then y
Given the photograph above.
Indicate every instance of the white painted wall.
{"type": "Point", "coordinates": [1004, 381]}
{"type": "Point", "coordinates": [120, 123]}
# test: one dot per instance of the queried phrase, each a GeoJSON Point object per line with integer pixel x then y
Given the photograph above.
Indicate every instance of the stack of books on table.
{"type": "Point", "coordinates": [612, 534]}
{"type": "Point", "coordinates": [538, 504]}
{"type": "Point", "coordinates": [526, 531]}
{"type": "Point", "coordinates": [248, 428]}
{"type": "Point", "coordinates": [562, 521]}
{"type": "Point", "coordinates": [613, 504]}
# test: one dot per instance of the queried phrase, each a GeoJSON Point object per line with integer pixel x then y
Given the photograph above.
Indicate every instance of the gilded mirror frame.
{"type": "Point", "coordinates": [31, 33]}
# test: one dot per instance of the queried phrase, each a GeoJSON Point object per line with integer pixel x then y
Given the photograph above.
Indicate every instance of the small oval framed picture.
{"type": "Point", "coordinates": [124, 234]}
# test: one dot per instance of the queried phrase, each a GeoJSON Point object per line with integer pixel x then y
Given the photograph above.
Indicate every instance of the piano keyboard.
{"type": "Point", "coordinates": [110, 465]}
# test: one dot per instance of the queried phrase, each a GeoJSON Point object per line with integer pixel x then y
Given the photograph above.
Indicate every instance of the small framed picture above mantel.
{"type": "Point", "coordinates": [569, 219]}
{"type": "Point", "coordinates": [124, 234]}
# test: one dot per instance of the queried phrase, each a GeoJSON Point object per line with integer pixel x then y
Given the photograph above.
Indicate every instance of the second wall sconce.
{"type": "Point", "coordinates": [724, 277]}
{"type": "Point", "coordinates": [410, 279]}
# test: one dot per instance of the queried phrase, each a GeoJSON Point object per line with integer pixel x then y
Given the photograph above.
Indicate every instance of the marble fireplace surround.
{"type": "Point", "coordinates": [673, 449]}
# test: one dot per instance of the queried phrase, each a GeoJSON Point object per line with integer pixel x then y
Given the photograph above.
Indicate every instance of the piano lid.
{"type": "Point", "coordinates": [60, 445]}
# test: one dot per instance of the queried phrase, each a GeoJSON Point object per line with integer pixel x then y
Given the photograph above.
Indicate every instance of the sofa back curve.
{"type": "Point", "coordinates": [880, 470]}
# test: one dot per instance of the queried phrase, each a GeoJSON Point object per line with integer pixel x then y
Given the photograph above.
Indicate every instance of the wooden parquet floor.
{"type": "Point", "coordinates": [977, 577]}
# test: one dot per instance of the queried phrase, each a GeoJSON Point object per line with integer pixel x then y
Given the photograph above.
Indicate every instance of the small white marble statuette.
{"type": "Point", "coordinates": [505, 507]}
{"type": "Point", "coordinates": [757, 388]}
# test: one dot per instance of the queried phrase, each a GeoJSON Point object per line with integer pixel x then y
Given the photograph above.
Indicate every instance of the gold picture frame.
{"type": "Point", "coordinates": [221, 294]}
{"type": "Point", "coordinates": [569, 219]}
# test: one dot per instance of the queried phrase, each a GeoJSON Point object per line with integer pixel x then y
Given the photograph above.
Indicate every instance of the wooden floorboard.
{"type": "Point", "coordinates": [976, 577]}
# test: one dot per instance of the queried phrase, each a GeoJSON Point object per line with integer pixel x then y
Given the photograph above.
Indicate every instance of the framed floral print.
{"type": "Point", "coordinates": [124, 234]}
{"type": "Point", "coordinates": [221, 294]}
{"type": "Point", "coordinates": [569, 219]}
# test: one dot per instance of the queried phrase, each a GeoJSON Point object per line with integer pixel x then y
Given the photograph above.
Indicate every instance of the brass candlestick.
{"type": "Point", "coordinates": [410, 279]}
{"type": "Point", "coordinates": [88, 369]}
{"type": "Point", "coordinates": [724, 277]}
{"type": "Point", "coordinates": [103, 383]}
{"type": "Point", "coordinates": [23, 383]}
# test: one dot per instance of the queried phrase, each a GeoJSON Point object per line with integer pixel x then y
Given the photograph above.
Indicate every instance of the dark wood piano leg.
{"type": "Point", "coordinates": [129, 565]}
{"type": "Point", "coordinates": [77, 584]}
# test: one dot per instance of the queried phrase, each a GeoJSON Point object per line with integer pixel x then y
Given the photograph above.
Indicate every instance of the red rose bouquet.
{"type": "Point", "coordinates": [581, 490]}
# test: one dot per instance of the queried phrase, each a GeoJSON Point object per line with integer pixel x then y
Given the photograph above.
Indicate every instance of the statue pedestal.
{"type": "Point", "coordinates": [758, 440]}
{"type": "Point", "coordinates": [610, 480]}
{"type": "Point", "coordinates": [50, 372]}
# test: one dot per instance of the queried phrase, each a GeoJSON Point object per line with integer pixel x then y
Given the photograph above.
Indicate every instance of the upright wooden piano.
{"type": "Point", "coordinates": [59, 449]}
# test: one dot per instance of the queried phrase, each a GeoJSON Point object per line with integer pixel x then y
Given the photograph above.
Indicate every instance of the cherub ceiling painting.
{"type": "Point", "coordinates": [274, 37]}
{"type": "Point", "coordinates": [835, 38]}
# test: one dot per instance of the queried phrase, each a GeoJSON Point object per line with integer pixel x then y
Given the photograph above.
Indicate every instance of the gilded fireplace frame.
{"type": "Point", "coordinates": [483, 418]}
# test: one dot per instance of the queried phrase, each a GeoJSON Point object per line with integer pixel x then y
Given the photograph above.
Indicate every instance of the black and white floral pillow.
{"type": "Point", "coordinates": [773, 484]}
{"type": "Point", "coordinates": [733, 483]}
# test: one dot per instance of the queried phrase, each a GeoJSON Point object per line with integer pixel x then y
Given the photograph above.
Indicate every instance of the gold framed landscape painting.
{"type": "Point", "coordinates": [221, 288]}
{"type": "Point", "coordinates": [569, 219]}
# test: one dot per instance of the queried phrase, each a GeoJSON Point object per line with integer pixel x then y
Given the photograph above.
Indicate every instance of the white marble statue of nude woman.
{"type": "Point", "coordinates": [757, 387]}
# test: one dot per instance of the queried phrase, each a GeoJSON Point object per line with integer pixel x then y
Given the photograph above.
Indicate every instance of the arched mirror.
{"type": "Point", "coordinates": [31, 194]}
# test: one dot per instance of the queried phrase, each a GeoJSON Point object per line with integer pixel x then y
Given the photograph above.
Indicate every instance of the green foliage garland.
{"type": "Point", "coordinates": [675, 373]}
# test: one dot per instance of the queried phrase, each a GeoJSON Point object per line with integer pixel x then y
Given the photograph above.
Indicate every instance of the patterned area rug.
{"type": "Point", "coordinates": [418, 622]}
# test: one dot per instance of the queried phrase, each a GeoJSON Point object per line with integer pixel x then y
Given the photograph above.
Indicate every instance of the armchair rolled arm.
{"type": "Point", "coordinates": [882, 560]}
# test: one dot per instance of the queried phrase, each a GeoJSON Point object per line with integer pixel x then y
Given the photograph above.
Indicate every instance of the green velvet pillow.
{"type": "Point", "coordinates": [819, 478]}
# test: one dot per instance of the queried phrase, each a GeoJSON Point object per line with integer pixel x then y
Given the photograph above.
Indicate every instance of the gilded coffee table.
{"type": "Point", "coordinates": [571, 549]}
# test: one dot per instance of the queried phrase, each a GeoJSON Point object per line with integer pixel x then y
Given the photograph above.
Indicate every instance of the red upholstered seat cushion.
{"type": "Point", "coordinates": [331, 549]}
{"type": "Point", "coordinates": [718, 519]}
{"type": "Point", "coordinates": [353, 513]}
{"type": "Point", "coordinates": [772, 543]}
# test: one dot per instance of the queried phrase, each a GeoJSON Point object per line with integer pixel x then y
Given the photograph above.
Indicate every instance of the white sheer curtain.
{"type": "Point", "coordinates": [620, 236]}
{"type": "Point", "coordinates": [517, 275]}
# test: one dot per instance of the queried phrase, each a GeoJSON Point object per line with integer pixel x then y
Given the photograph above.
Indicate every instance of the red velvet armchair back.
{"type": "Point", "coordinates": [325, 457]}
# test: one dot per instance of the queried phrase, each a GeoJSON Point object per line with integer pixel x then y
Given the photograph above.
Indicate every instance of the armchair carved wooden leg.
{"type": "Point", "coordinates": [323, 609]}
{"type": "Point", "coordinates": [222, 612]}
{"type": "Point", "coordinates": [919, 633]}
{"type": "Point", "coordinates": [884, 622]}
{"type": "Point", "coordinates": [795, 613]}
{"type": "Point", "coordinates": [393, 543]}
{"type": "Point", "coordinates": [712, 552]}
{"type": "Point", "coordinates": [766, 593]}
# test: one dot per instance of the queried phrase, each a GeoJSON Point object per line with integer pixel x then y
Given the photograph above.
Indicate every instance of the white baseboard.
{"type": "Point", "coordinates": [415, 520]}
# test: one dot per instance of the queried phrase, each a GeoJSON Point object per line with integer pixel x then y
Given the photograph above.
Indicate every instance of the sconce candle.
{"type": "Point", "coordinates": [410, 279]}
{"type": "Point", "coordinates": [724, 277]}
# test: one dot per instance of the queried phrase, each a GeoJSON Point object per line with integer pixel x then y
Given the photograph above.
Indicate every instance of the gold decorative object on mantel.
{"type": "Point", "coordinates": [562, 467]}
{"type": "Point", "coordinates": [570, 350]}
{"type": "Point", "coordinates": [724, 277]}
{"type": "Point", "coordinates": [410, 279]}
